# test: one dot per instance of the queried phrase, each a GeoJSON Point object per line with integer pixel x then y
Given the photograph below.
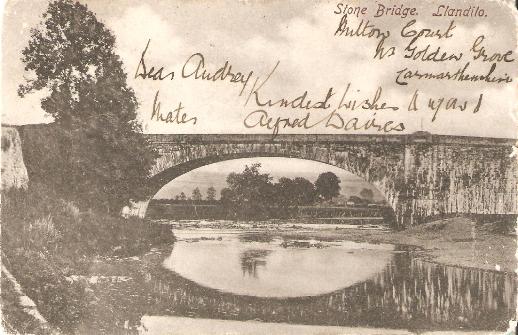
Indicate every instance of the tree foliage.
{"type": "Point", "coordinates": [211, 193]}
{"type": "Point", "coordinates": [225, 196]}
{"type": "Point", "coordinates": [249, 191]}
{"type": "Point", "coordinates": [104, 160]}
{"type": "Point", "coordinates": [303, 191]}
{"type": "Point", "coordinates": [327, 185]}
{"type": "Point", "coordinates": [357, 200]}
{"type": "Point", "coordinates": [196, 194]}
{"type": "Point", "coordinates": [251, 194]}
{"type": "Point", "coordinates": [294, 192]}
{"type": "Point", "coordinates": [283, 192]}
{"type": "Point", "coordinates": [367, 194]}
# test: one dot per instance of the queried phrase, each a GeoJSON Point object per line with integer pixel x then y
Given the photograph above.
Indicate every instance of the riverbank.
{"type": "Point", "coordinates": [458, 241]}
{"type": "Point", "coordinates": [150, 298]}
{"type": "Point", "coordinates": [47, 241]}
{"type": "Point", "coordinates": [19, 313]}
{"type": "Point", "coordinates": [188, 326]}
{"type": "Point", "coordinates": [114, 290]}
{"type": "Point", "coordinates": [455, 241]}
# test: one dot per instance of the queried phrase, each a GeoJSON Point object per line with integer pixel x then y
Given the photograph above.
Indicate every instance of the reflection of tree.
{"type": "Point", "coordinates": [251, 259]}
{"type": "Point", "coordinates": [409, 293]}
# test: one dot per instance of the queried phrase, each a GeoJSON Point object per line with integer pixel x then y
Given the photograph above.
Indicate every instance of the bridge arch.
{"type": "Point", "coordinates": [420, 175]}
{"type": "Point", "coordinates": [168, 174]}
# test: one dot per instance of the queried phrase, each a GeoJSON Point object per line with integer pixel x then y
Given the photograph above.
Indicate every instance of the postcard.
{"type": "Point", "coordinates": [259, 167]}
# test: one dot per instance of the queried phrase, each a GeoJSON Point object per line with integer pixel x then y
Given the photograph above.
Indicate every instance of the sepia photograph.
{"type": "Point", "coordinates": [256, 167]}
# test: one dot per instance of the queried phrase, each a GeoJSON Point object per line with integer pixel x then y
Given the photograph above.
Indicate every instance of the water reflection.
{"type": "Point", "coordinates": [251, 259]}
{"type": "Point", "coordinates": [408, 293]}
{"type": "Point", "coordinates": [405, 292]}
{"type": "Point", "coordinates": [295, 267]}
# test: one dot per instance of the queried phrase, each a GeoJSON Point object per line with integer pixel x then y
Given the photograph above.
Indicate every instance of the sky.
{"type": "Point", "coordinates": [215, 175]}
{"type": "Point", "coordinates": [254, 36]}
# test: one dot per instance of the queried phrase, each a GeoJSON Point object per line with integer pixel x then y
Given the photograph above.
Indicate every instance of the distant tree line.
{"type": "Point", "coordinates": [250, 186]}
{"type": "Point", "coordinates": [196, 196]}
{"type": "Point", "coordinates": [251, 194]}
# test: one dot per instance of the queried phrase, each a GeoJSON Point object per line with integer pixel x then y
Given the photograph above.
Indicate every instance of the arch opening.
{"type": "Point", "coordinates": [198, 173]}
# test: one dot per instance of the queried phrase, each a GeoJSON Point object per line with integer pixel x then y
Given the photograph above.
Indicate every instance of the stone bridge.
{"type": "Point", "coordinates": [421, 175]}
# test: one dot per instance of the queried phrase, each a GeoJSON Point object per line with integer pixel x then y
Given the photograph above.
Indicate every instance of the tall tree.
{"type": "Point", "coordinates": [284, 192]}
{"type": "Point", "coordinates": [327, 185]}
{"type": "Point", "coordinates": [226, 201]}
{"type": "Point", "coordinates": [211, 193]}
{"type": "Point", "coordinates": [294, 192]}
{"type": "Point", "coordinates": [303, 191]}
{"type": "Point", "coordinates": [251, 191]}
{"type": "Point", "coordinates": [226, 195]}
{"type": "Point", "coordinates": [196, 194]}
{"type": "Point", "coordinates": [104, 160]}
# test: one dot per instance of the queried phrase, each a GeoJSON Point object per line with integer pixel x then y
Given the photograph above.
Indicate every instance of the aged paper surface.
{"type": "Point", "coordinates": [259, 167]}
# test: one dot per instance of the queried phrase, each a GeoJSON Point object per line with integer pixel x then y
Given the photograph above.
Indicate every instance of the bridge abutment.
{"type": "Point", "coordinates": [136, 209]}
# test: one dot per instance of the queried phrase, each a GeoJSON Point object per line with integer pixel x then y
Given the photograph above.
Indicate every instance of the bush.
{"type": "Point", "coordinates": [45, 239]}
{"type": "Point", "coordinates": [497, 224]}
{"type": "Point", "coordinates": [36, 219]}
{"type": "Point", "coordinates": [435, 226]}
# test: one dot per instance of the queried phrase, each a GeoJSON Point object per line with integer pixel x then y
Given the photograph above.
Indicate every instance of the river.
{"type": "Point", "coordinates": [253, 272]}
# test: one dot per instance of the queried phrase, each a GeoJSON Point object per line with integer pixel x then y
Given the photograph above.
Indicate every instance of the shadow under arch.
{"type": "Point", "coordinates": [159, 180]}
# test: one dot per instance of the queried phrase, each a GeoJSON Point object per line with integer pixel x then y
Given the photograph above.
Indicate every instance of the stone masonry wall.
{"type": "Point", "coordinates": [14, 172]}
{"type": "Point", "coordinates": [419, 178]}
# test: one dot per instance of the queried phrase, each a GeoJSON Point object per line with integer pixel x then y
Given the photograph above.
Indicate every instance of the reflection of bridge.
{"type": "Point", "coordinates": [410, 293]}
{"type": "Point", "coordinates": [420, 175]}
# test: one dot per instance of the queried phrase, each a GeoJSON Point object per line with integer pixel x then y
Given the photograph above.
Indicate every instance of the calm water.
{"type": "Point", "coordinates": [247, 275]}
{"type": "Point", "coordinates": [255, 264]}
